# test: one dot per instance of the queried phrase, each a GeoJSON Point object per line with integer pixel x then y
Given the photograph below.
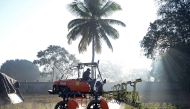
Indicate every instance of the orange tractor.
{"type": "Point", "coordinates": [72, 90]}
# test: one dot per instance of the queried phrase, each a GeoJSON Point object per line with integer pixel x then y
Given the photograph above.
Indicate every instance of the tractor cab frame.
{"type": "Point", "coordinates": [71, 89]}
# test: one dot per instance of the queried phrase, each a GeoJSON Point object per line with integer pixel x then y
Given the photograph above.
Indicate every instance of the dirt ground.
{"type": "Point", "coordinates": [48, 101]}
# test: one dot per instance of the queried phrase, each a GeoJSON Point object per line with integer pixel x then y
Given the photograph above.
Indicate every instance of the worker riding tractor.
{"type": "Point", "coordinates": [72, 90]}
{"type": "Point", "coordinates": [79, 89]}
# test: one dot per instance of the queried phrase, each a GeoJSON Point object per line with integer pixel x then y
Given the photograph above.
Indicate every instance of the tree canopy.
{"type": "Point", "coordinates": [170, 31]}
{"type": "Point", "coordinates": [168, 40]}
{"type": "Point", "coordinates": [55, 59]}
{"type": "Point", "coordinates": [21, 70]}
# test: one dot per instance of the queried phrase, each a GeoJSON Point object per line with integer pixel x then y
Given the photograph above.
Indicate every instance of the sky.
{"type": "Point", "coordinates": [28, 26]}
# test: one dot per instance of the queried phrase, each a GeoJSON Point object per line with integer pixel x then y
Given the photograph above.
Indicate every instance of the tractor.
{"type": "Point", "coordinates": [72, 90]}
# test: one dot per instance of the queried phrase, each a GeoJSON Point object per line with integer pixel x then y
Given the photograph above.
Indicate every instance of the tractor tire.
{"type": "Point", "coordinates": [94, 104]}
{"type": "Point", "coordinates": [61, 105]}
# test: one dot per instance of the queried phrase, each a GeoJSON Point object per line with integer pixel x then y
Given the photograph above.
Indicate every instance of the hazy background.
{"type": "Point", "coordinates": [27, 27]}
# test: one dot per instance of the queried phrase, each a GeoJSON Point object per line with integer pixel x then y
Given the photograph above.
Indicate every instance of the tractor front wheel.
{"type": "Point", "coordinates": [98, 104]}
{"type": "Point", "coordinates": [94, 104]}
{"type": "Point", "coordinates": [61, 105]}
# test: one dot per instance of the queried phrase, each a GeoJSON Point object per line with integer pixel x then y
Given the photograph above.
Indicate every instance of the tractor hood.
{"type": "Point", "coordinates": [9, 90]}
{"type": "Point", "coordinates": [64, 81]}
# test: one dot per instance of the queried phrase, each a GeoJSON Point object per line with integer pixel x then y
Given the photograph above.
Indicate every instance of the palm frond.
{"type": "Point", "coordinates": [109, 8]}
{"type": "Point", "coordinates": [87, 32]}
{"type": "Point", "coordinates": [90, 38]}
{"type": "Point", "coordinates": [106, 39]}
{"type": "Point", "coordinates": [83, 44]}
{"type": "Point", "coordinates": [112, 21]}
{"type": "Point", "coordinates": [75, 23]}
{"type": "Point", "coordinates": [93, 6]}
{"type": "Point", "coordinates": [86, 37]}
{"type": "Point", "coordinates": [76, 32]}
{"type": "Point", "coordinates": [97, 42]}
{"type": "Point", "coordinates": [73, 34]}
{"type": "Point", "coordinates": [112, 32]}
{"type": "Point", "coordinates": [77, 8]}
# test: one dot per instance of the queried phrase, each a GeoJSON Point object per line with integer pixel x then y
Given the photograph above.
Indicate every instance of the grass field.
{"type": "Point", "coordinates": [49, 101]}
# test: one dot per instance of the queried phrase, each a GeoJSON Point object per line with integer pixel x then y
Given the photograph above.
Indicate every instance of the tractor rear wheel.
{"type": "Point", "coordinates": [94, 104]}
{"type": "Point", "coordinates": [61, 105]}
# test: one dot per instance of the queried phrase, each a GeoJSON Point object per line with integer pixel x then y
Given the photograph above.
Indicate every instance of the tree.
{"type": "Point", "coordinates": [91, 25]}
{"type": "Point", "coordinates": [170, 31]}
{"type": "Point", "coordinates": [21, 70]}
{"type": "Point", "coordinates": [55, 58]}
{"type": "Point", "coordinates": [169, 38]}
{"type": "Point", "coordinates": [111, 71]}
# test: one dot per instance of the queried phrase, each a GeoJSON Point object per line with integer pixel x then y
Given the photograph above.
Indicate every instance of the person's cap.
{"type": "Point", "coordinates": [88, 69]}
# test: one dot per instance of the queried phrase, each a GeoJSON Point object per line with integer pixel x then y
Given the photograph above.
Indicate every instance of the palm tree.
{"type": "Point", "coordinates": [90, 26]}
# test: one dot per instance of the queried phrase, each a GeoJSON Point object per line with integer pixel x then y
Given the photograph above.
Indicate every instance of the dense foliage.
{"type": "Point", "coordinates": [170, 31]}
{"type": "Point", "coordinates": [55, 59]}
{"type": "Point", "coordinates": [168, 38]}
{"type": "Point", "coordinates": [21, 70]}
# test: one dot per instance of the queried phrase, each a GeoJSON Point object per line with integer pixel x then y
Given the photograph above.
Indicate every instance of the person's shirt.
{"type": "Point", "coordinates": [86, 75]}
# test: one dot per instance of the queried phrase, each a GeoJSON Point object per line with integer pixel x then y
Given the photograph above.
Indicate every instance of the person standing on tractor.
{"type": "Point", "coordinates": [86, 77]}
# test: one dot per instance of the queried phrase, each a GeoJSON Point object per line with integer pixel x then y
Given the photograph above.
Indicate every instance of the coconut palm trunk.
{"type": "Point", "coordinates": [93, 56]}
